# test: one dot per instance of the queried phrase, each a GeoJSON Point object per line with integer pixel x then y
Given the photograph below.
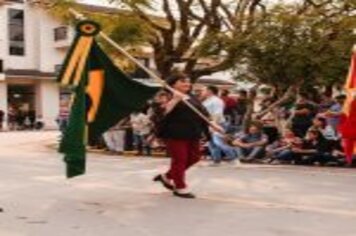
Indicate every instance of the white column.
{"type": "Point", "coordinates": [3, 100]}
{"type": "Point", "coordinates": [47, 102]}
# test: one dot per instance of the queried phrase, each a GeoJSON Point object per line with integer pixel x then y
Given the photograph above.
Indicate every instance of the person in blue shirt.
{"type": "Point", "coordinates": [251, 145]}
{"type": "Point", "coordinates": [335, 111]}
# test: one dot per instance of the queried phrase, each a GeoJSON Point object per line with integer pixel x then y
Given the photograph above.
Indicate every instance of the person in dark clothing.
{"type": "Point", "coordinates": [302, 118]}
{"type": "Point", "coordinates": [314, 148]}
{"type": "Point", "coordinates": [241, 107]}
{"type": "Point", "coordinates": [181, 129]}
{"type": "Point", "coordinates": [230, 106]}
{"type": "Point", "coordinates": [2, 116]}
{"type": "Point", "coordinates": [20, 119]}
{"type": "Point", "coordinates": [32, 118]}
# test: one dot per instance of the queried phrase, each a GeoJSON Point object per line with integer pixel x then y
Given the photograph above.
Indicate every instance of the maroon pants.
{"type": "Point", "coordinates": [184, 154]}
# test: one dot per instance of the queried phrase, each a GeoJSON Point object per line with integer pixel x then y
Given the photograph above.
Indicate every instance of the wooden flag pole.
{"type": "Point", "coordinates": [148, 71]}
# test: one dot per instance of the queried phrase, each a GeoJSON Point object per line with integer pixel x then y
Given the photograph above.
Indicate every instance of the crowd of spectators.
{"type": "Point", "coordinates": [309, 133]}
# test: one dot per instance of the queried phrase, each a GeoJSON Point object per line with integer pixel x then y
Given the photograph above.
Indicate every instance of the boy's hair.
{"type": "Point", "coordinates": [225, 92]}
{"type": "Point", "coordinates": [243, 92]}
{"type": "Point", "coordinates": [176, 77]}
{"type": "Point", "coordinates": [257, 124]}
{"type": "Point", "coordinates": [340, 97]}
{"type": "Point", "coordinates": [322, 120]}
{"type": "Point", "coordinates": [213, 89]}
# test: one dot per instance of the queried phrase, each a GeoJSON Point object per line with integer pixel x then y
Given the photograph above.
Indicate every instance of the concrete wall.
{"type": "Point", "coordinates": [40, 51]}
{"type": "Point", "coordinates": [49, 55]}
{"type": "Point", "coordinates": [41, 54]}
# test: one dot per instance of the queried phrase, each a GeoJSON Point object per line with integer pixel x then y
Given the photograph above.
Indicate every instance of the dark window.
{"type": "Point", "coordinates": [1, 66]}
{"type": "Point", "coordinates": [16, 32]}
{"type": "Point", "coordinates": [60, 33]}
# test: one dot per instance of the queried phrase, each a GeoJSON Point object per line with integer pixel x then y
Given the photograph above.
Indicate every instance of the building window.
{"type": "Point", "coordinates": [1, 66]}
{"type": "Point", "coordinates": [60, 33]}
{"type": "Point", "coordinates": [16, 32]}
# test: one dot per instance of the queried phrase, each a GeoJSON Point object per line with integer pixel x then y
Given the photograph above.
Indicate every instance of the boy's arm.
{"type": "Point", "coordinates": [262, 142]}
{"type": "Point", "coordinates": [239, 143]}
{"type": "Point", "coordinates": [304, 151]}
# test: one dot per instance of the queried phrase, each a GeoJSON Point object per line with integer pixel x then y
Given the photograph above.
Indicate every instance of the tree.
{"type": "Point", "coordinates": [192, 32]}
{"type": "Point", "coordinates": [275, 45]}
{"type": "Point", "coordinates": [297, 45]}
{"type": "Point", "coordinates": [285, 46]}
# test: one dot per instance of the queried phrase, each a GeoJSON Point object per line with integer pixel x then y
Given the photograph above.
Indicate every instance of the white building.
{"type": "Point", "coordinates": [32, 48]}
{"type": "Point", "coordinates": [33, 45]}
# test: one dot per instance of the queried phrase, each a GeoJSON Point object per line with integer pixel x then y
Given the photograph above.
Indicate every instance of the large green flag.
{"type": "Point", "coordinates": [103, 95]}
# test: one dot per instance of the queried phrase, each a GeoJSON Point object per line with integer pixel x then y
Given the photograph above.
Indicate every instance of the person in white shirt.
{"type": "Point", "coordinates": [217, 146]}
{"type": "Point", "coordinates": [214, 104]}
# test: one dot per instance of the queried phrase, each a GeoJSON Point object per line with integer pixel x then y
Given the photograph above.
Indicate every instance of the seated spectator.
{"type": "Point", "coordinates": [252, 144]}
{"type": "Point", "coordinates": [281, 146]}
{"type": "Point", "coordinates": [313, 149]}
{"type": "Point", "coordinates": [334, 157]}
{"type": "Point", "coordinates": [222, 150]}
{"type": "Point", "coordinates": [320, 123]}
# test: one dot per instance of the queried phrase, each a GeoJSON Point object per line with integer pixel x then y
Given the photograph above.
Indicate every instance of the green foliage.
{"type": "Point", "coordinates": [307, 43]}
{"type": "Point", "coordinates": [129, 31]}
{"type": "Point", "coordinates": [286, 48]}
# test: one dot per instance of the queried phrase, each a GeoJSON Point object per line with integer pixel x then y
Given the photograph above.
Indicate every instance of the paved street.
{"type": "Point", "coordinates": [117, 197]}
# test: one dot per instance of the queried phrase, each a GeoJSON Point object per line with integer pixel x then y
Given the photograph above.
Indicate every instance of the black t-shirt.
{"type": "Point", "coordinates": [241, 106]}
{"type": "Point", "coordinates": [306, 119]}
{"type": "Point", "coordinates": [183, 123]}
{"type": "Point", "coordinates": [319, 146]}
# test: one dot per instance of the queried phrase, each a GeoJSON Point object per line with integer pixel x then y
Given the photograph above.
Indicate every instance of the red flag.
{"type": "Point", "coordinates": [348, 119]}
{"type": "Point", "coordinates": [350, 85]}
